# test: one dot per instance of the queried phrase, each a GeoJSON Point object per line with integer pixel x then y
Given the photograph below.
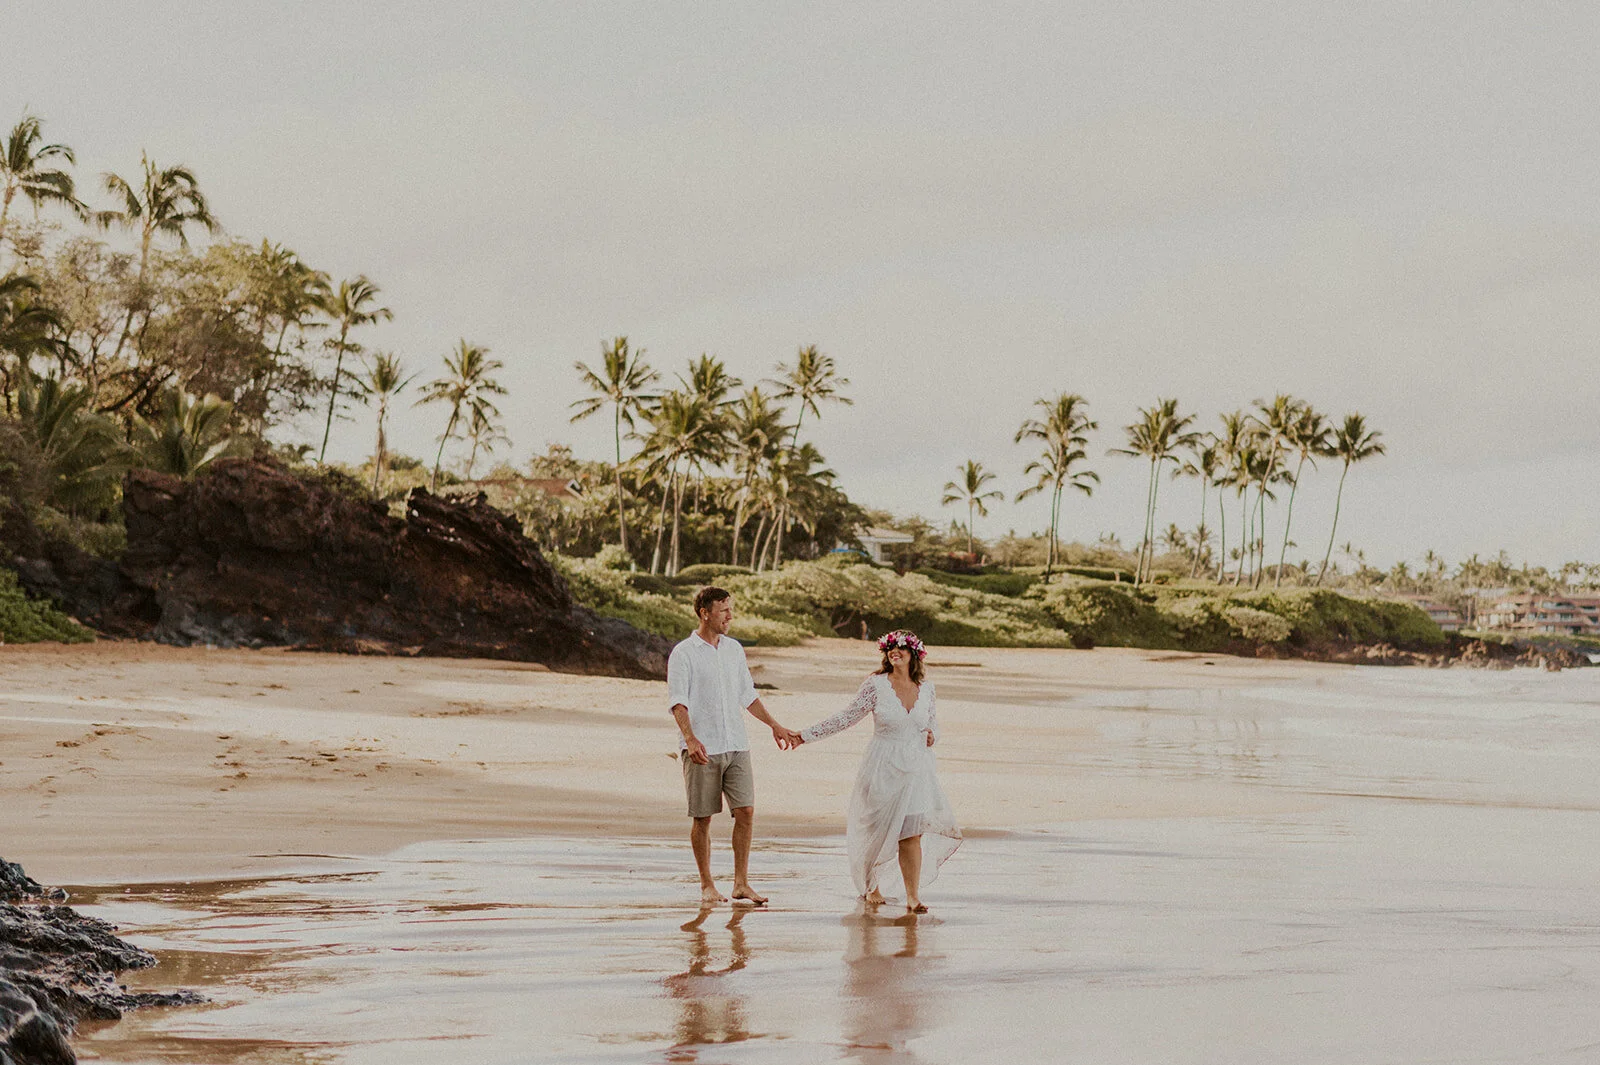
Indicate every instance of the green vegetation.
{"type": "Point", "coordinates": [834, 596]}
{"type": "Point", "coordinates": [24, 620]}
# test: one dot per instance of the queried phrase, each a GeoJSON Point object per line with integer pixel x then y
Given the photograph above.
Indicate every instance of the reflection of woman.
{"type": "Point", "coordinates": [896, 799]}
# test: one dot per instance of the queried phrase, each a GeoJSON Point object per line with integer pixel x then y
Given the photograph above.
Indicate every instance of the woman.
{"type": "Point", "coordinates": [896, 799]}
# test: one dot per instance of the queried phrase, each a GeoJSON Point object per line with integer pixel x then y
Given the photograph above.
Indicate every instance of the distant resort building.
{"type": "Point", "coordinates": [1537, 612]}
{"type": "Point", "coordinates": [1447, 618]}
{"type": "Point", "coordinates": [874, 539]}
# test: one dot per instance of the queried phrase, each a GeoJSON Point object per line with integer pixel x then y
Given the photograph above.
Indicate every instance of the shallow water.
{"type": "Point", "coordinates": [1433, 900]}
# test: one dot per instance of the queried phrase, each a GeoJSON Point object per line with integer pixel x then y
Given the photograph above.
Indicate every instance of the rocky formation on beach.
{"type": "Point", "coordinates": [59, 967]}
{"type": "Point", "coordinates": [250, 554]}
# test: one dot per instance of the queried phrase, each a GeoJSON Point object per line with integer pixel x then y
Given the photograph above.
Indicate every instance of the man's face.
{"type": "Point", "coordinates": [719, 615]}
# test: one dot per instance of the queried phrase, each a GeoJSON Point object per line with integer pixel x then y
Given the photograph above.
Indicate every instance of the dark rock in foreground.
{"type": "Point", "coordinates": [58, 967]}
{"type": "Point", "coordinates": [248, 554]}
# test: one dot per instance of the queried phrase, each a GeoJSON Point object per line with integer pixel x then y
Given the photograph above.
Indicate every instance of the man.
{"type": "Point", "coordinates": [709, 688]}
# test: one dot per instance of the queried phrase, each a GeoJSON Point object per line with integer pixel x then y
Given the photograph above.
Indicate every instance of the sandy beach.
{"type": "Point", "coordinates": [141, 762]}
{"type": "Point", "coordinates": [1171, 858]}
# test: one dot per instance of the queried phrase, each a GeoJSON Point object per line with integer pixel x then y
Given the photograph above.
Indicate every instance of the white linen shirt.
{"type": "Point", "coordinates": [715, 684]}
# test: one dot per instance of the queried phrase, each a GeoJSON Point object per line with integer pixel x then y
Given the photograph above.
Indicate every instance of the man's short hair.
{"type": "Point", "coordinates": [708, 596]}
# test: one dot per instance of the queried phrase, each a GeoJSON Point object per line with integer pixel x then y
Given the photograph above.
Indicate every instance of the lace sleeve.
{"type": "Point", "coordinates": [864, 703]}
{"type": "Point", "coordinates": [933, 712]}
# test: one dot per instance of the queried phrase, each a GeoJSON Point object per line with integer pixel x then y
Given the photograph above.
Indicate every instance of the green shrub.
{"type": "Point", "coordinates": [1109, 615]}
{"type": "Point", "coordinates": [1008, 584]}
{"type": "Point", "coordinates": [709, 572]}
{"type": "Point", "coordinates": [1100, 573]}
{"type": "Point", "coordinates": [612, 556]}
{"type": "Point", "coordinates": [102, 539]}
{"type": "Point", "coordinates": [24, 620]}
{"type": "Point", "coordinates": [1257, 625]}
{"type": "Point", "coordinates": [651, 584]}
{"type": "Point", "coordinates": [763, 632]}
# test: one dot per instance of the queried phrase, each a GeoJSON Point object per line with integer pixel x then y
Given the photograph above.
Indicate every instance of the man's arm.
{"type": "Point", "coordinates": [696, 750]}
{"type": "Point", "coordinates": [786, 738]}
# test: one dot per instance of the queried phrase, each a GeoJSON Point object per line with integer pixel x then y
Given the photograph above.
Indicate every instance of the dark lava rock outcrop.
{"type": "Point", "coordinates": [248, 554]}
{"type": "Point", "coordinates": [58, 967]}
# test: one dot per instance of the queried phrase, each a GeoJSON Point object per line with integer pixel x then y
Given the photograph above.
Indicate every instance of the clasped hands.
{"type": "Point", "coordinates": [786, 739]}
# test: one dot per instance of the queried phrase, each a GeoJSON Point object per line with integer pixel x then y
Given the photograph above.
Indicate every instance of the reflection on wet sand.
{"type": "Point", "coordinates": [712, 1011]}
{"type": "Point", "coordinates": [885, 985]}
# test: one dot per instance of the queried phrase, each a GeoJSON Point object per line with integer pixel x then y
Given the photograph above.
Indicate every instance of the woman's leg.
{"type": "Point", "coordinates": [911, 870]}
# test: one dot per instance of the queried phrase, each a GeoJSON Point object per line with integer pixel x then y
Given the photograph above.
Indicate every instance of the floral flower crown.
{"type": "Point", "coordinates": [902, 638]}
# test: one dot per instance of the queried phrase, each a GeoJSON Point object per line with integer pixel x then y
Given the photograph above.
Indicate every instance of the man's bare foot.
{"type": "Point", "coordinates": [710, 896]}
{"type": "Point", "coordinates": [915, 906]}
{"type": "Point", "coordinates": [746, 893]}
{"type": "Point", "coordinates": [875, 898]}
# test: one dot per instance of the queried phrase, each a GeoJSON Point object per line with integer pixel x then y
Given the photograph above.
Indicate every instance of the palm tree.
{"type": "Point", "coordinates": [808, 486]}
{"type": "Point", "coordinates": [1063, 432]}
{"type": "Point", "coordinates": [350, 307]}
{"type": "Point", "coordinates": [1232, 443]}
{"type": "Point", "coordinates": [168, 201]}
{"type": "Point", "coordinates": [25, 169]}
{"type": "Point", "coordinates": [82, 451]}
{"type": "Point", "coordinates": [186, 434]}
{"type": "Point", "coordinates": [1308, 435]}
{"type": "Point", "coordinates": [623, 382]}
{"type": "Point", "coordinates": [26, 327]}
{"type": "Point", "coordinates": [1353, 442]}
{"type": "Point", "coordinates": [684, 432]}
{"type": "Point", "coordinates": [1204, 463]}
{"type": "Point", "coordinates": [485, 433]}
{"type": "Point", "coordinates": [466, 387]}
{"type": "Point", "coordinates": [385, 379]}
{"type": "Point", "coordinates": [1277, 420]}
{"type": "Point", "coordinates": [756, 431]}
{"type": "Point", "coordinates": [1262, 466]}
{"type": "Point", "coordinates": [810, 381]}
{"type": "Point", "coordinates": [1159, 432]}
{"type": "Point", "coordinates": [294, 291]}
{"type": "Point", "coordinates": [969, 490]}
{"type": "Point", "coordinates": [710, 381]}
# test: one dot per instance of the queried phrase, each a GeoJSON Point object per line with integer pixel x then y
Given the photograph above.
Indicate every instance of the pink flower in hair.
{"type": "Point", "coordinates": [902, 638]}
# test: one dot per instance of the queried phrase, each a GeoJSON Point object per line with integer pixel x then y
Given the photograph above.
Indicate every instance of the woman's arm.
{"type": "Point", "coordinates": [933, 715]}
{"type": "Point", "coordinates": [864, 703]}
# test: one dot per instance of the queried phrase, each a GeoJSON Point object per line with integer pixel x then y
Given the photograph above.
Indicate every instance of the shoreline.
{"type": "Point", "coordinates": [137, 762]}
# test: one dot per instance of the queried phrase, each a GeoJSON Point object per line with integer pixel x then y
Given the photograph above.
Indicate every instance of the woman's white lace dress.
{"type": "Point", "coordinates": [896, 793]}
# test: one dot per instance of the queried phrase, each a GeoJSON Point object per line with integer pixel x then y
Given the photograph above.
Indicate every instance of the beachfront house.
{"type": "Point", "coordinates": [1447, 618]}
{"type": "Point", "coordinates": [1542, 613]}
{"type": "Point", "coordinates": [874, 539]}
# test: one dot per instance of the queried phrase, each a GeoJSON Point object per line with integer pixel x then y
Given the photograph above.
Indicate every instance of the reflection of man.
{"type": "Point", "coordinates": [709, 688]}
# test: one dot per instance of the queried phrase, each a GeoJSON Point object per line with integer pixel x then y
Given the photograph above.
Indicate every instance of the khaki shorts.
{"type": "Point", "coordinates": [729, 773]}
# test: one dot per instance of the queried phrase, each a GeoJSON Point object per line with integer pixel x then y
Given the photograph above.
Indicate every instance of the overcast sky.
{"type": "Point", "coordinates": [1389, 208]}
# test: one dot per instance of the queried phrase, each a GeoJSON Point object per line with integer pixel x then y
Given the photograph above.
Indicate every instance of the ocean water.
{"type": "Point", "coordinates": [1431, 898]}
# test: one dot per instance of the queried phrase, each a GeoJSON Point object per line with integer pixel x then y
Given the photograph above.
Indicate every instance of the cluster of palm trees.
{"type": "Point", "coordinates": [1254, 454]}
{"type": "Point", "coordinates": [166, 204]}
{"type": "Point", "coordinates": [707, 424]}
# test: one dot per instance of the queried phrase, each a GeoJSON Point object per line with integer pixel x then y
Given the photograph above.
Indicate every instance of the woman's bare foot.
{"type": "Point", "coordinates": [710, 896]}
{"type": "Point", "coordinates": [746, 893]}
{"type": "Point", "coordinates": [915, 906]}
{"type": "Point", "coordinates": [874, 898]}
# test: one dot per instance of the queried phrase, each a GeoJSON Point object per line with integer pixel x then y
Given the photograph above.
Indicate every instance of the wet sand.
{"type": "Point", "coordinates": [1173, 861]}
